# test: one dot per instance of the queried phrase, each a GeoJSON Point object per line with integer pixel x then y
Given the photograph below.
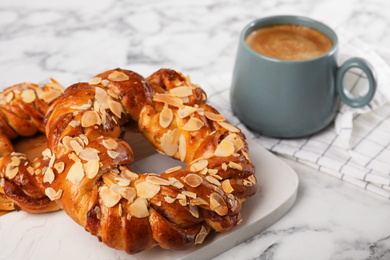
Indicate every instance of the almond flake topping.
{"type": "Point", "coordinates": [60, 166]}
{"type": "Point", "coordinates": [118, 76]}
{"type": "Point", "coordinates": [236, 141]}
{"type": "Point", "coordinates": [139, 208]}
{"type": "Point", "coordinates": [199, 165]}
{"type": "Point", "coordinates": [185, 111]}
{"type": "Point", "coordinates": [252, 179]}
{"type": "Point", "coordinates": [15, 161]}
{"type": "Point", "coordinates": [201, 235]}
{"type": "Point", "coordinates": [147, 190]}
{"type": "Point", "coordinates": [194, 211]}
{"type": "Point", "coordinates": [76, 173]}
{"type": "Point", "coordinates": [46, 153]}
{"type": "Point", "coordinates": [218, 204]}
{"type": "Point", "coordinates": [28, 95]}
{"type": "Point", "coordinates": [105, 82]}
{"type": "Point", "coordinates": [9, 97]}
{"type": "Point", "coordinates": [95, 81]}
{"type": "Point", "coordinates": [169, 199]}
{"type": "Point", "coordinates": [109, 197]}
{"type": "Point", "coordinates": [225, 148]}
{"type": "Point", "coordinates": [110, 144]}
{"type": "Point", "coordinates": [189, 194]}
{"type": "Point", "coordinates": [52, 194]}
{"type": "Point", "coordinates": [176, 183]}
{"type": "Point", "coordinates": [91, 169]}
{"type": "Point", "coordinates": [213, 180]}
{"type": "Point", "coordinates": [166, 117]}
{"type": "Point", "coordinates": [115, 107]}
{"type": "Point", "coordinates": [193, 180]}
{"type": "Point", "coordinates": [235, 166]}
{"type": "Point", "coordinates": [101, 97]}
{"type": "Point", "coordinates": [157, 180]}
{"type": "Point", "coordinates": [75, 146]}
{"type": "Point", "coordinates": [30, 170]}
{"type": "Point", "coordinates": [229, 127]}
{"type": "Point", "coordinates": [214, 116]}
{"type": "Point", "coordinates": [74, 123]}
{"type": "Point", "coordinates": [11, 171]}
{"type": "Point", "coordinates": [168, 99]}
{"type": "Point", "coordinates": [181, 92]}
{"type": "Point", "coordinates": [128, 193]}
{"type": "Point", "coordinates": [113, 154]}
{"type": "Point", "coordinates": [182, 148]}
{"type": "Point", "coordinates": [89, 154]}
{"type": "Point", "coordinates": [129, 175]}
{"type": "Point", "coordinates": [49, 176]}
{"type": "Point", "coordinates": [199, 201]}
{"type": "Point", "coordinates": [193, 124]}
{"type": "Point", "coordinates": [81, 107]}
{"type": "Point", "coordinates": [173, 169]}
{"type": "Point", "coordinates": [90, 118]}
{"type": "Point", "coordinates": [50, 95]}
{"type": "Point", "coordinates": [170, 142]}
{"type": "Point", "coordinates": [112, 94]}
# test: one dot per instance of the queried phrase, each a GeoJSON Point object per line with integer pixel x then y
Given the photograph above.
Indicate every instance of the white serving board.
{"type": "Point", "coordinates": [56, 236]}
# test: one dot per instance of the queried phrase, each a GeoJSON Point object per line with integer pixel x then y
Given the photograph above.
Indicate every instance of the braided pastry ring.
{"type": "Point", "coordinates": [87, 167]}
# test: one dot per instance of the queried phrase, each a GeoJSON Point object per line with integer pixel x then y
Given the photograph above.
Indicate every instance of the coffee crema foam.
{"type": "Point", "coordinates": [289, 42]}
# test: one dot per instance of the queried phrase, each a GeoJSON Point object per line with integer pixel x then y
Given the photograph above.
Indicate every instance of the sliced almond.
{"type": "Point", "coordinates": [236, 141]}
{"type": "Point", "coordinates": [185, 111]}
{"type": "Point", "coordinates": [110, 144]}
{"type": "Point", "coordinates": [113, 154]}
{"type": "Point", "coordinates": [60, 166]}
{"type": "Point", "coordinates": [101, 97]}
{"type": "Point", "coordinates": [90, 118]}
{"type": "Point", "coordinates": [166, 117]}
{"type": "Point", "coordinates": [157, 180]}
{"type": "Point", "coordinates": [189, 194]}
{"type": "Point", "coordinates": [76, 173]}
{"type": "Point", "coordinates": [181, 92]}
{"type": "Point", "coordinates": [234, 165]}
{"type": "Point", "coordinates": [95, 81]}
{"type": "Point", "coordinates": [75, 146]}
{"type": "Point", "coordinates": [213, 116]}
{"type": "Point", "coordinates": [89, 154]}
{"type": "Point", "coordinates": [173, 169]}
{"type": "Point", "coordinates": [30, 170]}
{"type": "Point", "coordinates": [129, 175]}
{"type": "Point", "coordinates": [49, 176]}
{"type": "Point", "coordinates": [199, 201]}
{"type": "Point", "coordinates": [49, 96]}
{"type": "Point", "coordinates": [218, 204]}
{"type": "Point", "coordinates": [9, 97]}
{"type": "Point", "coordinates": [169, 199]}
{"type": "Point", "coordinates": [193, 180]}
{"type": "Point", "coordinates": [112, 94]}
{"type": "Point", "coordinates": [199, 165]}
{"type": "Point", "coordinates": [182, 148]}
{"type": "Point", "coordinates": [74, 123]}
{"type": "Point", "coordinates": [224, 148]}
{"type": "Point", "coordinates": [229, 127]}
{"type": "Point", "coordinates": [52, 194]}
{"type": "Point", "coordinates": [147, 190]}
{"type": "Point", "coordinates": [115, 107]}
{"type": "Point", "coordinates": [109, 197]}
{"type": "Point", "coordinates": [213, 180]}
{"type": "Point", "coordinates": [11, 171]}
{"type": "Point", "coordinates": [46, 153]}
{"type": "Point", "coordinates": [169, 142]}
{"type": "Point", "coordinates": [118, 76]}
{"type": "Point", "coordinates": [128, 193]}
{"type": "Point", "coordinates": [227, 187]}
{"type": "Point", "coordinates": [193, 124]}
{"type": "Point", "coordinates": [28, 96]}
{"type": "Point", "coordinates": [139, 208]}
{"type": "Point", "coordinates": [252, 179]}
{"type": "Point", "coordinates": [91, 168]}
{"type": "Point", "coordinates": [105, 82]}
{"type": "Point", "coordinates": [168, 99]}
{"type": "Point", "coordinates": [15, 161]}
{"type": "Point", "coordinates": [81, 107]}
{"type": "Point", "coordinates": [201, 235]}
{"type": "Point", "coordinates": [194, 211]}
{"type": "Point", "coordinates": [176, 183]}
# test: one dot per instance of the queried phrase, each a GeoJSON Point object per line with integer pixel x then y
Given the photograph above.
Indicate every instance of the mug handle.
{"type": "Point", "coordinates": [345, 95]}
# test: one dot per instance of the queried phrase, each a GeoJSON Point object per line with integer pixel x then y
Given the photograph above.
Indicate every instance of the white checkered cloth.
{"type": "Point", "coordinates": [356, 147]}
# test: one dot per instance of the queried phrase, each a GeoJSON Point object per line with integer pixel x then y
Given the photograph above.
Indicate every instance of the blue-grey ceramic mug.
{"type": "Point", "coordinates": [292, 98]}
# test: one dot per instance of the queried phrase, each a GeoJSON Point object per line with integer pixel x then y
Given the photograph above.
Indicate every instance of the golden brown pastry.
{"type": "Point", "coordinates": [22, 110]}
{"type": "Point", "coordinates": [86, 168]}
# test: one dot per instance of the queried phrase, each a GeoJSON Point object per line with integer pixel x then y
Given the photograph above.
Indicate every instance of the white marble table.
{"type": "Point", "coordinates": [74, 40]}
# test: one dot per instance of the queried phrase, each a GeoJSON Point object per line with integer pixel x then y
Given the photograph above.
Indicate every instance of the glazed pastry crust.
{"type": "Point", "coordinates": [87, 170]}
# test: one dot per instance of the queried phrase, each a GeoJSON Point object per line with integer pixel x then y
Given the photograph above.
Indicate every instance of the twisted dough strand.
{"type": "Point", "coordinates": [22, 110]}
{"type": "Point", "coordinates": [87, 167]}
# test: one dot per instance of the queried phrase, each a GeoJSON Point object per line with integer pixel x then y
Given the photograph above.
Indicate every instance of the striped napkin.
{"type": "Point", "coordinates": [356, 147]}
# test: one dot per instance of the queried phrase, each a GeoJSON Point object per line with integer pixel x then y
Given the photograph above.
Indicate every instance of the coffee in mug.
{"type": "Point", "coordinates": [289, 42]}
{"type": "Point", "coordinates": [295, 94]}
